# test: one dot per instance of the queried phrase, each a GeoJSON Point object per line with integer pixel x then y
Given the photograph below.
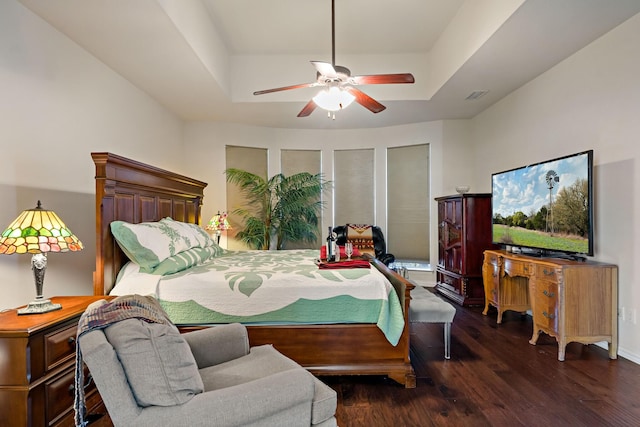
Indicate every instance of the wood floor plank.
{"type": "Point", "coordinates": [495, 378]}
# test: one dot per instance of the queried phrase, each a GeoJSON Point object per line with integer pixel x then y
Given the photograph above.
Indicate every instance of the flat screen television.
{"type": "Point", "coordinates": [546, 208]}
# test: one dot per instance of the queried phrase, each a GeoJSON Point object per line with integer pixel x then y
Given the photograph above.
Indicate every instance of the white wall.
{"type": "Point", "coordinates": [589, 101]}
{"type": "Point", "coordinates": [57, 105]}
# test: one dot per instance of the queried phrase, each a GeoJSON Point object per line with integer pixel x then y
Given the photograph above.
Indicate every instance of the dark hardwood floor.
{"type": "Point", "coordinates": [495, 378]}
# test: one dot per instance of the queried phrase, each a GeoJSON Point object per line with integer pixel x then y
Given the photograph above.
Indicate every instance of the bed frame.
{"type": "Point", "coordinates": [131, 191]}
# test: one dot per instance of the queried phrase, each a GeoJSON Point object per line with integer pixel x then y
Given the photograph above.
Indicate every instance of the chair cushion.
{"type": "Point", "coordinates": [157, 361]}
{"type": "Point", "coordinates": [261, 362]}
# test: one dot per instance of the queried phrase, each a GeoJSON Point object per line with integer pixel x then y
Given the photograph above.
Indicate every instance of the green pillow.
{"type": "Point", "coordinates": [186, 259]}
{"type": "Point", "coordinates": [149, 243]}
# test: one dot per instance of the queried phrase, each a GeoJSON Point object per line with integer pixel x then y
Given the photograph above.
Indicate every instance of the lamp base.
{"type": "Point", "coordinates": [38, 306]}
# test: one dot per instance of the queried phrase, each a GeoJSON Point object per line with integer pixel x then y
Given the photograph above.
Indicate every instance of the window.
{"type": "Point", "coordinates": [296, 161]}
{"type": "Point", "coordinates": [354, 201]}
{"type": "Point", "coordinates": [254, 160]}
{"type": "Point", "coordinates": [408, 202]}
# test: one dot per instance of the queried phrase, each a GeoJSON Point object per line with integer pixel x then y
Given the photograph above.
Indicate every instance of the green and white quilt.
{"type": "Point", "coordinates": [269, 287]}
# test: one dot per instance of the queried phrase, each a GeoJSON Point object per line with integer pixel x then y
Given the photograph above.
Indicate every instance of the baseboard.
{"type": "Point", "coordinates": [635, 358]}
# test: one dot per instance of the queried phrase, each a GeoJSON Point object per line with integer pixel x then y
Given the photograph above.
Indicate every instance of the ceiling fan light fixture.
{"type": "Point", "coordinates": [333, 99]}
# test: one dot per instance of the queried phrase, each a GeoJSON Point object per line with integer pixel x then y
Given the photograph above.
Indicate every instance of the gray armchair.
{"type": "Point", "coordinates": [243, 386]}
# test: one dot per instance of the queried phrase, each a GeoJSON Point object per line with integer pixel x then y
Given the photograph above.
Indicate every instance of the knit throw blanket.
{"type": "Point", "coordinates": [102, 314]}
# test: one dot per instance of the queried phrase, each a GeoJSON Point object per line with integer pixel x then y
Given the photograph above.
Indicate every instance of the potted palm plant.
{"type": "Point", "coordinates": [281, 208]}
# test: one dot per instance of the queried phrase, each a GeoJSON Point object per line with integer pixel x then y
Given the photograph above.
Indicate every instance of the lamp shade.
{"type": "Point", "coordinates": [218, 222]}
{"type": "Point", "coordinates": [333, 99]}
{"type": "Point", "coordinates": [38, 231]}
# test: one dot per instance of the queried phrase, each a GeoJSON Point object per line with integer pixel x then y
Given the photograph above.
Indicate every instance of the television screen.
{"type": "Point", "coordinates": [547, 206]}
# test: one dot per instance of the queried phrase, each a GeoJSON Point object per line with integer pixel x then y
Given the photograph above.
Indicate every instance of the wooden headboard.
{"type": "Point", "coordinates": [134, 192]}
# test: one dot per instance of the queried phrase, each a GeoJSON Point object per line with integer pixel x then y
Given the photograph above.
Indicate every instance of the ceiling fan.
{"type": "Point", "coordinates": [338, 84]}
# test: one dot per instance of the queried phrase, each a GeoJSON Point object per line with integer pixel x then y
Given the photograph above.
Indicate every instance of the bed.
{"type": "Point", "coordinates": [134, 192]}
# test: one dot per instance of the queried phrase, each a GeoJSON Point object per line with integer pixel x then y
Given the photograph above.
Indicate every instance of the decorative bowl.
{"type": "Point", "coordinates": [462, 189]}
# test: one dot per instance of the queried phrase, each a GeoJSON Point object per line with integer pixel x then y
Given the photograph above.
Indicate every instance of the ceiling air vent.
{"type": "Point", "coordinates": [476, 94]}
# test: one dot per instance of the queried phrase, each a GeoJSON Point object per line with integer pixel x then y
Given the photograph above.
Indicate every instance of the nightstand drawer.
{"type": "Point", "coordinates": [60, 392]}
{"type": "Point", "coordinates": [60, 346]}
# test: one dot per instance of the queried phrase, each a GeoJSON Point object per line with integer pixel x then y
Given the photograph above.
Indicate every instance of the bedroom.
{"type": "Point", "coordinates": [62, 103]}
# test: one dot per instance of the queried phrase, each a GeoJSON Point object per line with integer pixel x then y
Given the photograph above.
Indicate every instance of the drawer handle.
{"type": "Point", "coordinates": [549, 294]}
{"type": "Point", "coordinates": [548, 316]}
{"type": "Point", "coordinates": [548, 272]}
{"type": "Point", "coordinates": [72, 341]}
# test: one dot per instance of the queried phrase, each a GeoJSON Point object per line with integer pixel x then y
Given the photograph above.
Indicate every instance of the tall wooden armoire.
{"type": "Point", "coordinates": [464, 233]}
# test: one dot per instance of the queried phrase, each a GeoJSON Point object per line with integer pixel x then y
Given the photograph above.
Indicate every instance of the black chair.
{"type": "Point", "coordinates": [366, 238]}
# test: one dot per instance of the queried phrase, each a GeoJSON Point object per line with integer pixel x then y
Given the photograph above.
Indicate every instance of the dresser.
{"type": "Point", "coordinates": [572, 301]}
{"type": "Point", "coordinates": [37, 366]}
{"type": "Point", "coordinates": [464, 233]}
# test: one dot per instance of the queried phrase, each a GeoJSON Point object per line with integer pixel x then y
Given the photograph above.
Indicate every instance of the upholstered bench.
{"type": "Point", "coordinates": [429, 308]}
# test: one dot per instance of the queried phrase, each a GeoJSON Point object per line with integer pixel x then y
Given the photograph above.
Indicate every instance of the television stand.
{"type": "Point", "coordinates": [570, 300]}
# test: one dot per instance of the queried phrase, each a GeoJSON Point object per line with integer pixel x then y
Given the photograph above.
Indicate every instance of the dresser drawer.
{"type": "Point", "coordinates": [517, 268]}
{"type": "Point", "coordinates": [547, 318]}
{"type": "Point", "coordinates": [59, 346]}
{"type": "Point", "coordinates": [546, 304]}
{"type": "Point", "coordinates": [545, 272]}
{"type": "Point", "coordinates": [491, 258]}
{"type": "Point", "coordinates": [453, 283]}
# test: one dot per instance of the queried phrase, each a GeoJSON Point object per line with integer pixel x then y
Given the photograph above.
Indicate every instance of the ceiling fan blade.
{"type": "Point", "coordinates": [365, 100]}
{"type": "Point", "coordinates": [325, 69]}
{"type": "Point", "coordinates": [278, 89]}
{"type": "Point", "coordinates": [383, 79]}
{"type": "Point", "coordinates": [308, 109]}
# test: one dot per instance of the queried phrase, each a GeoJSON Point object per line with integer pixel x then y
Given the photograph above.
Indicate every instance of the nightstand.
{"type": "Point", "coordinates": [37, 366]}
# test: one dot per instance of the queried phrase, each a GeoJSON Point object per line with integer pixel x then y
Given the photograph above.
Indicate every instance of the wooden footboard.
{"type": "Point", "coordinates": [346, 349]}
{"type": "Point", "coordinates": [131, 191]}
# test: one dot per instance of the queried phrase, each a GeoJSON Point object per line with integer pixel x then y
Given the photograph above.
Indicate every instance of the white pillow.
{"type": "Point", "coordinates": [149, 243]}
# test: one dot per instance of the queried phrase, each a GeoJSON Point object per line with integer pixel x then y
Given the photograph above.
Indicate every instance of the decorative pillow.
{"type": "Point", "coordinates": [149, 243]}
{"type": "Point", "coordinates": [199, 237]}
{"type": "Point", "coordinates": [157, 361]}
{"type": "Point", "coordinates": [362, 237]}
{"type": "Point", "coordinates": [186, 259]}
